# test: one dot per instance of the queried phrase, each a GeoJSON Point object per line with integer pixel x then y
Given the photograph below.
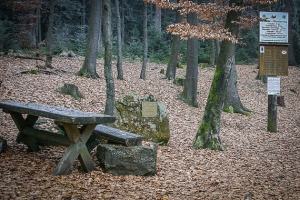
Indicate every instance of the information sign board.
{"type": "Point", "coordinates": [273, 60]}
{"type": "Point", "coordinates": [273, 85]}
{"type": "Point", "coordinates": [274, 27]}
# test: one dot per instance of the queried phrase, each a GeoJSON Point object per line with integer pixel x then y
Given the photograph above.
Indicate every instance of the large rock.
{"type": "Point", "coordinates": [3, 144]}
{"type": "Point", "coordinates": [147, 117]}
{"type": "Point", "coordinates": [122, 160]}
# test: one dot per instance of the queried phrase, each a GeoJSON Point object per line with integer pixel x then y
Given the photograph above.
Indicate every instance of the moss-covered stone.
{"type": "Point", "coordinates": [155, 129]}
{"type": "Point", "coordinates": [70, 89]}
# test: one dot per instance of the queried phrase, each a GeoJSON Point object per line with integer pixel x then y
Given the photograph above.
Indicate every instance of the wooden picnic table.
{"type": "Point", "coordinates": [78, 125]}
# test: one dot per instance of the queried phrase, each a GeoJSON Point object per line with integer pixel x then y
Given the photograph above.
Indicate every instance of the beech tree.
{"type": "Point", "coordinates": [189, 93]}
{"type": "Point", "coordinates": [119, 42]}
{"type": "Point", "coordinates": [208, 134]}
{"type": "Point", "coordinates": [88, 68]}
{"type": "Point", "coordinates": [49, 36]}
{"type": "Point", "coordinates": [109, 78]}
{"type": "Point", "coordinates": [145, 38]}
{"type": "Point", "coordinates": [173, 61]}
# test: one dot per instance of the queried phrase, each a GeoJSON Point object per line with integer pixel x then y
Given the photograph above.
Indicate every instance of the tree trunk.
{"type": "Point", "coordinates": [38, 31]}
{"type": "Point", "coordinates": [208, 134]}
{"type": "Point", "coordinates": [189, 93]}
{"type": "Point", "coordinates": [109, 79]}
{"type": "Point", "coordinates": [119, 41]}
{"type": "Point", "coordinates": [232, 102]}
{"type": "Point", "coordinates": [158, 19]}
{"type": "Point", "coordinates": [83, 13]}
{"type": "Point", "coordinates": [287, 8]}
{"type": "Point", "coordinates": [171, 69]}
{"type": "Point", "coordinates": [49, 37]}
{"type": "Point", "coordinates": [88, 68]}
{"type": "Point", "coordinates": [145, 38]}
{"type": "Point", "coordinates": [123, 22]}
{"type": "Point", "coordinates": [100, 42]}
{"type": "Point", "coordinates": [217, 45]}
{"type": "Point", "coordinates": [212, 53]}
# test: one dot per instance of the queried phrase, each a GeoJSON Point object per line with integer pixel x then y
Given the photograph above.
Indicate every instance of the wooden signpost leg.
{"type": "Point", "coordinates": [272, 113]}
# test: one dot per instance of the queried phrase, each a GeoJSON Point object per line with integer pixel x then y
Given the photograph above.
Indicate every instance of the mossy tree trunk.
{"type": "Point", "coordinates": [88, 68]}
{"type": "Point", "coordinates": [108, 73]}
{"type": "Point", "coordinates": [171, 69]}
{"type": "Point", "coordinates": [208, 134]}
{"type": "Point", "coordinates": [212, 53]}
{"type": "Point", "coordinates": [232, 101]}
{"type": "Point", "coordinates": [189, 93]}
{"type": "Point", "coordinates": [49, 37]}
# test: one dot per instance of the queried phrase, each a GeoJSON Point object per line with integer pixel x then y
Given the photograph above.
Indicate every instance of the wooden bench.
{"type": "Point", "coordinates": [113, 135]}
{"type": "Point", "coordinates": [117, 136]}
{"type": "Point", "coordinates": [78, 125]}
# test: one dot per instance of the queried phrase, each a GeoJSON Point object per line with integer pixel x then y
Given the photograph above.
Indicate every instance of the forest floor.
{"type": "Point", "coordinates": [256, 165]}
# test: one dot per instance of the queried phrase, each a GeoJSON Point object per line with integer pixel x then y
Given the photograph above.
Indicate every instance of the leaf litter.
{"type": "Point", "coordinates": [256, 165]}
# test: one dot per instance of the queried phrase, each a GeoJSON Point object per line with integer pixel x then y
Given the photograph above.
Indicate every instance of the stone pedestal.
{"type": "Point", "coordinates": [121, 160]}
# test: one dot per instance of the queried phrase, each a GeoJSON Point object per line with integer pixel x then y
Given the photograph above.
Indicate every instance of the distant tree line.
{"type": "Point", "coordinates": [23, 26]}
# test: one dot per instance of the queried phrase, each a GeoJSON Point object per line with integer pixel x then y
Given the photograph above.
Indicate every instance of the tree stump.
{"type": "Point", "coordinates": [70, 89]}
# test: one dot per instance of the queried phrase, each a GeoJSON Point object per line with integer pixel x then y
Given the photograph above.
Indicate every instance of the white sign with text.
{"type": "Point", "coordinates": [273, 85]}
{"type": "Point", "coordinates": [274, 27]}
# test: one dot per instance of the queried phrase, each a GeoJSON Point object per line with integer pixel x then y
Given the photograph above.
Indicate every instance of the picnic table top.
{"type": "Point", "coordinates": [57, 113]}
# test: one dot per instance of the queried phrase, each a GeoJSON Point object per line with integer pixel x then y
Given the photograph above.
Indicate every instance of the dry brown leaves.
{"type": "Point", "coordinates": [257, 164]}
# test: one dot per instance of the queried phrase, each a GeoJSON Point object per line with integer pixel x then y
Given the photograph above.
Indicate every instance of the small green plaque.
{"type": "Point", "coordinates": [149, 109]}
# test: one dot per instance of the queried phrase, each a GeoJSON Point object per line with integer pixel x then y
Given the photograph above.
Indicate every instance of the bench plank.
{"type": "Point", "coordinates": [57, 113]}
{"type": "Point", "coordinates": [46, 136]}
{"type": "Point", "coordinates": [118, 136]}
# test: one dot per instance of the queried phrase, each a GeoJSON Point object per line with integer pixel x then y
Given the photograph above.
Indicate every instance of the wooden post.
{"type": "Point", "coordinates": [272, 113]}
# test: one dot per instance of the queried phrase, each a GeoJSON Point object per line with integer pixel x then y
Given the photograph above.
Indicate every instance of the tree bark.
{"type": "Point", "coordinates": [38, 31]}
{"type": "Point", "coordinates": [208, 134]}
{"type": "Point", "coordinates": [171, 69]}
{"type": "Point", "coordinates": [119, 41]}
{"type": "Point", "coordinates": [189, 93]}
{"type": "Point", "coordinates": [212, 53]}
{"type": "Point", "coordinates": [232, 101]}
{"type": "Point", "coordinates": [49, 37]}
{"type": "Point", "coordinates": [145, 37]}
{"type": "Point", "coordinates": [158, 19]}
{"type": "Point", "coordinates": [88, 68]}
{"type": "Point", "coordinates": [287, 8]}
{"type": "Point", "coordinates": [109, 79]}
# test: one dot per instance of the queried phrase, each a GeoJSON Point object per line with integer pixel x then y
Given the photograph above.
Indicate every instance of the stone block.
{"type": "Point", "coordinates": [122, 160]}
{"type": "Point", "coordinates": [150, 121]}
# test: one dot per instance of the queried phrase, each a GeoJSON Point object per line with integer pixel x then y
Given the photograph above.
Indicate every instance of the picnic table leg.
{"type": "Point", "coordinates": [77, 149]}
{"type": "Point", "coordinates": [21, 123]}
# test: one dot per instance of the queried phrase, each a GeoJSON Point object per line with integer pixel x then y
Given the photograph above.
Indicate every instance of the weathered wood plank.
{"type": "Point", "coordinates": [66, 162]}
{"type": "Point", "coordinates": [118, 136]}
{"type": "Point", "coordinates": [86, 160]}
{"type": "Point", "coordinates": [72, 132]}
{"type": "Point", "coordinates": [75, 150]}
{"type": "Point", "coordinates": [20, 122]}
{"type": "Point", "coordinates": [47, 136]}
{"type": "Point", "coordinates": [57, 113]}
{"type": "Point", "coordinates": [18, 119]}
